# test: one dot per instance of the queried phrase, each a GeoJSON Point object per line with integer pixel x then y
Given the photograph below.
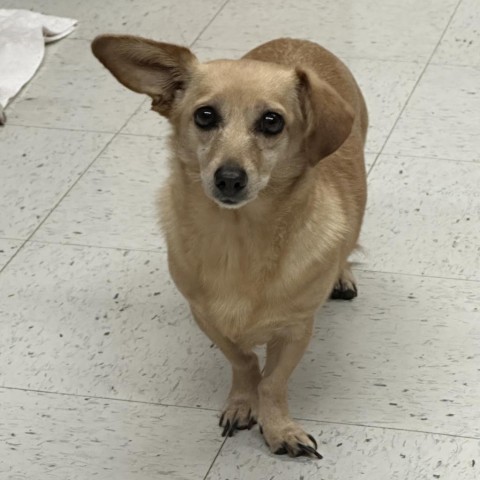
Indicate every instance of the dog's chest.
{"type": "Point", "coordinates": [230, 278]}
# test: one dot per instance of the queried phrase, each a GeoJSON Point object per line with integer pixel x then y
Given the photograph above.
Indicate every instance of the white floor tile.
{"type": "Point", "coordinates": [386, 87]}
{"type": "Point", "coordinates": [73, 90]}
{"type": "Point", "coordinates": [423, 217]}
{"type": "Point", "coordinates": [404, 354]}
{"type": "Point", "coordinates": [8, 249]}
{"type": "Point", "coordinates": [369, 160]}
{"type": "Point", "coordinates": [368, 28]}
{"type": "Point", "coordinates": [442, 117]}
{"type": "Point", "coordinates": [103, 322]}
{"type": "Point", "coordinates": [164, 20]}
{"type": "Point", "coordinates": [352, 453]}
{"type": "Point", "coordinates": [147, 122]}
{"type": "Point", "coordinates": [460, 44]}
{"type": "Point", "coordinates": [114, 204]}
{"type": "Point", "coordinates": [110, 323]}
{"type": "Point", "coordinates": [37, 166]}
{"type": "Point", "coordinates": [48, 436]}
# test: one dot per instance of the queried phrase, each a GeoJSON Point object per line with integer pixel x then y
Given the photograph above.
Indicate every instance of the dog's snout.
{"type": "Point", "coordinates": [230, 180]}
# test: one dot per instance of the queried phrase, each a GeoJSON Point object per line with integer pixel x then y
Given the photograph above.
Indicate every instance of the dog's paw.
{"type": "Point", "coordinates": [240, 414]}
{"type": "Point", "coordinates": [345, 287]}
{"type": "Point", "coordinates": [287, 438]}
{"type": "Point", "coordinates": [344, 291]}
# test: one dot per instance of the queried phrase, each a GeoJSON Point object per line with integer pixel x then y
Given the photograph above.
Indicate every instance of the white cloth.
{"type": "Point", "coordinates": [23, 35]}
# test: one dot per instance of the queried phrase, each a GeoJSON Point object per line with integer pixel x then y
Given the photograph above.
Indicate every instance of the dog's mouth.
{"type": "Point", "coordinates": [232, 203]}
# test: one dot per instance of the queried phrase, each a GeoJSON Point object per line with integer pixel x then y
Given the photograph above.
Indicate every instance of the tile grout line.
{"type": "Point", "coordinates": [213, 410]}
{"type": "Point", "coordinates": [35, 230]}
{"type": "Point", "coordinates": [396, 429]}
{"type": "Point", "coordinates": [13, 239]}
{"type": "Point", "coordinates": [209, 23]}
{"type": "Point", "coordinates": [215, 458]}
{"type": "Point", "coordinates": [163, 252]}
{"type": "Point", "coordinates": [415, 275]}
{"type": "Point", "coordinates": [415, 85]}
{"type": "Point", "coordinates": [158, 251]}
{"type": "Point", "coordinates": [426, 157]}
{"type": "Point", "coordinates": [103, 397]}
{"type": "Point", "coordinates": [63, 129]}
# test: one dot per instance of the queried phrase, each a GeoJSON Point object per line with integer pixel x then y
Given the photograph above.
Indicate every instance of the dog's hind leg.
{"type": "Point", "coordinates": [345, 287]}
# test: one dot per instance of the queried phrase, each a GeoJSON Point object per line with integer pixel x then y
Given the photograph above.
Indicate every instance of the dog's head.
{"type": "Point", "coordinates": [243, 124]}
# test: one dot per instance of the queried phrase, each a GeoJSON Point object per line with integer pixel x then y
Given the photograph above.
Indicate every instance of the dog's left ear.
{"type": "Point", "coordinates": [328, 118]}
{"type": "Point", "coordinates": [160, 70]}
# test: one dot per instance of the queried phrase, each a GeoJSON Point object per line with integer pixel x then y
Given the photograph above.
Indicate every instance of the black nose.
{"type": "Point", "coordinates": [230, 180]}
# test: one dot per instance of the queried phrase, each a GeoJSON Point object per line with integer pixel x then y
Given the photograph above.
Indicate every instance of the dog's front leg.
{"type": "Point", "coordinates": [281, 433]}
{"type": "Point", "coordinates": [240, 412]}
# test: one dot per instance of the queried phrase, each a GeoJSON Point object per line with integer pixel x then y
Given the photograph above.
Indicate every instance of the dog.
{"type": "Point", "coordinates": [263, 206]}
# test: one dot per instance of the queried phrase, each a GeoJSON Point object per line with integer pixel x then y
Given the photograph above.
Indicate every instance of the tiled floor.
{"type": "Point", "coordinates": [103, 373]}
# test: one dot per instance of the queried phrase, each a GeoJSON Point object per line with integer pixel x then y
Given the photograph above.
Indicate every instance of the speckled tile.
{"type": "Point", "coordinates": [37, 166]}
{"type": "Point", "coordinates": [48, 436]}
{"type": "Point", "coordinates": [111, 323]}
{"type": "Point", "coordinates": [164, 20]}
{"type": "Point", "coordinates": [77, 94]}
{"type": "Point", "coordinates": [369, 160]}
{"type": "Point", "coordinates": [442, 117]}
{"type": "Point", "coordinates": [353, 453]}
{"type": "Point", "coordinates": [147, 122]}
{"type": "Point", "coordinates": [103, 322]}
{"type": "Point", "coordinates": [382, 29]}
{"type": "Point", "coordinates": [8, 248]}
{"type": "Point", "coordinates": [404, 354]}
{"type": "Point", "coordinates": [114, 204]}
{"type": "Point", "coordinates": [386, 87]}
{"type": "Point", "coordinates": [461, 42]}
{"type": "Point", "coordinates": [423, 217]}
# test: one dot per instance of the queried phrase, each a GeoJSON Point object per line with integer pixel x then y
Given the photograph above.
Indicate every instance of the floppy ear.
{"type": "Point", "coordinates": [145, 66]}
{"type": "Point", "coordinates": [328, 118]}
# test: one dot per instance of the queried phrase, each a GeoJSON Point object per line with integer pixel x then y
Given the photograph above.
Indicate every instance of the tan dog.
{"type": "Point", "coordinates": [263, 206]}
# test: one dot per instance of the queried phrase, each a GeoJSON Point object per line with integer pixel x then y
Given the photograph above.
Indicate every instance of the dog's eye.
{"type": "Point", "coordinates": [206, 118]}
{"type": "Point", "coordinates": [271, 123]}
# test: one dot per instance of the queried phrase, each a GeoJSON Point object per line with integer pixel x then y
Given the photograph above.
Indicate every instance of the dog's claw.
{"type": "Point", "coordinates": [312, 440]}
{"type": "Point", "coordinates": [281, 451]}
{"type": "Point", "coordinates": [251, 423]}
{"type": "Point", "coordinates": [234, 427]}
{"type": "Point", "coordinates": [308, 450]}
{"type": "Point", "coordinates": [233, 424]}
{"type": "Point", "coordinates": [226, 429]}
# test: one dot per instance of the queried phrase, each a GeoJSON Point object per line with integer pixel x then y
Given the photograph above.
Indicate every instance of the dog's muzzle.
{"type": "Point", "coordinates": [230, 184]}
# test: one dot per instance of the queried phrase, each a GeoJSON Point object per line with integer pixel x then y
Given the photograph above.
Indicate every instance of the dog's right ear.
{"type": "Point", "coordinates": [160, 70]}
{"type": "Point", "coordinates": [328, 118]}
